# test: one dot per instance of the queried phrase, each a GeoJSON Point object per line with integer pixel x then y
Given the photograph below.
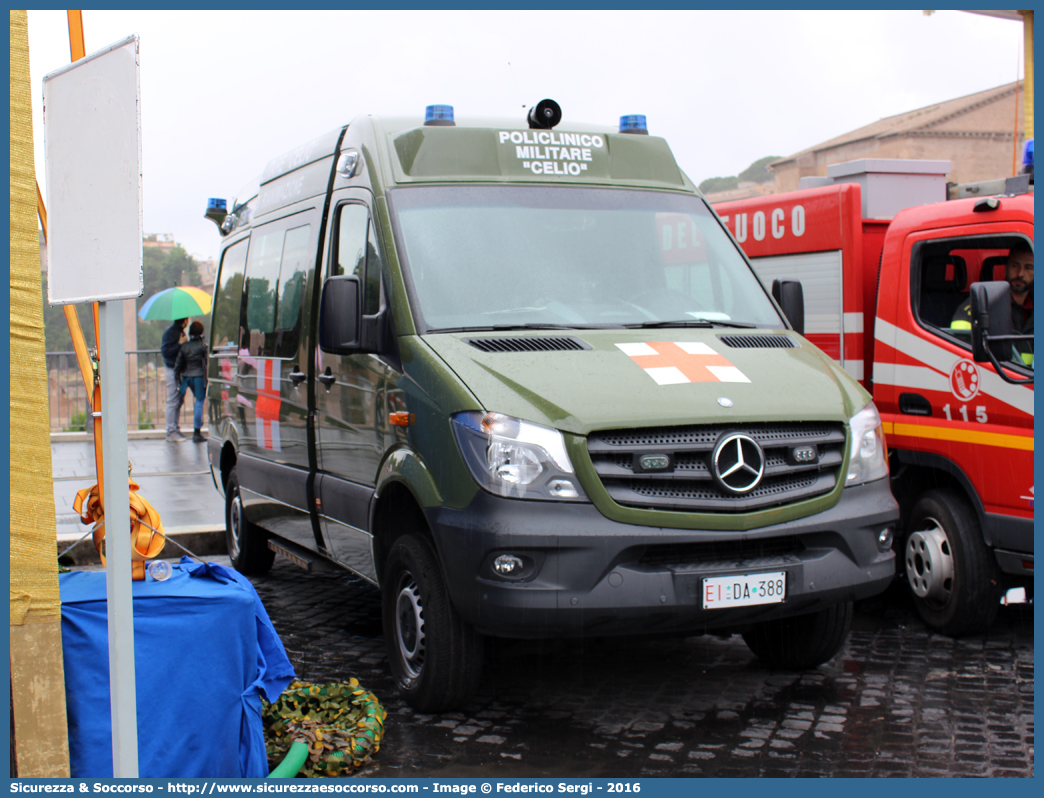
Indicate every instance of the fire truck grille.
{"type": "Point", "coordinates": [671, 468]}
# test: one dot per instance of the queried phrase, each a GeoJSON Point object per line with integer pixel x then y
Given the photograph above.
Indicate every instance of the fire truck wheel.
{"type": "Point", "coordinates": [435, 657]}
{"type": "Point", "coordinates": [247, 546]}
{"type": "Point", "coordinates": [803, 641]}
{"type": "Point", "coordinates": [953, 575]}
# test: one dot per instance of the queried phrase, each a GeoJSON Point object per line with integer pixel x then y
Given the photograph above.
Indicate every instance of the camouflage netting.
{"type": "Point", "coordinates": [341, 723]}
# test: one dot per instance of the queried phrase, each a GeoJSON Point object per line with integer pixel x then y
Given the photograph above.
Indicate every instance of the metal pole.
{"type": "Point", "coordinates": [123, 700]}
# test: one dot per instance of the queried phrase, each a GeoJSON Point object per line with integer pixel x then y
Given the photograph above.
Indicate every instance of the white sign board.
{"type": "Point", "coordinates": [92, 145]}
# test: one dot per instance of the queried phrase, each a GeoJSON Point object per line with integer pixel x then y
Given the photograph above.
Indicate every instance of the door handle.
{"type": "Point", "coordinates": [297, 377]}
{"type": "Point", "coordinates": [913, 404]}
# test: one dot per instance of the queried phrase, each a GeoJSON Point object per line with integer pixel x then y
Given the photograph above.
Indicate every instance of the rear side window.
{"type": "Point", "coordinates": [276, 277]}
{"type": "Point", "coordinates": [228, 297]}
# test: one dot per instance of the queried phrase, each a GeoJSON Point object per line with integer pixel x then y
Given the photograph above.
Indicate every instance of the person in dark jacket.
{"type": "Point", "coordinates": [1018, 271]}
{"type": "Point", "coordinates": [190, 371]}
{"type": "Point", "coordinates": [170, 345]}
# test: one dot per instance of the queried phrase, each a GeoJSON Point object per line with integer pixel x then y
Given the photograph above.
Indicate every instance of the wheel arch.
{"type": "Point", "coordinates": [227, 462]}
{"type": "Point", "coordinates": [918, 472]}
{"type": "Point", "coordinates": [394, 512]}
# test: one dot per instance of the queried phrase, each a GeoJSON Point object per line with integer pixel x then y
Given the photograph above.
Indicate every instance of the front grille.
{"type": "Point", "coordinates": [689, 484]}
{"type": "Point", "coordinates": [543, 343]}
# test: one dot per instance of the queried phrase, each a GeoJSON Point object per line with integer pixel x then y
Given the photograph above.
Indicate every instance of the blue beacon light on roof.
{"type": "Point", "coordinates": [439, 115]}
{"type": "Point", "coordinates": [634, 123]}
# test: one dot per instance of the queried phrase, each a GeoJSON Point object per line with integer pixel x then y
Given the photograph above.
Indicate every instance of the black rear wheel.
{"type": "Point", "coordinates": [803, 641]}
{"type": "Point", "coordinates": [435, 657]}
{"type": "Point", "coordinates": [247, 545]}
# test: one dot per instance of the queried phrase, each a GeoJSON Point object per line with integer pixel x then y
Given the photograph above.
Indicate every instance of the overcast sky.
{"type": "Point", "coordinates": [224, 92]}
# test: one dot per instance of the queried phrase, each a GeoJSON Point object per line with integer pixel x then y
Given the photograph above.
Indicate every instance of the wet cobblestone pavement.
{"type": "Point", "coordinates": [898, 701]}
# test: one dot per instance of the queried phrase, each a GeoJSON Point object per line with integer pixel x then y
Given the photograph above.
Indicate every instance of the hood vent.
{"type": "Point", "coordinates": [564, 343]}
{"type": "Point", "coordinates": [758, 341]}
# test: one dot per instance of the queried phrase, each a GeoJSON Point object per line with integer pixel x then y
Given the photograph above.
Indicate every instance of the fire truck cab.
{"type": "Point", "coordinates": [885, 268]}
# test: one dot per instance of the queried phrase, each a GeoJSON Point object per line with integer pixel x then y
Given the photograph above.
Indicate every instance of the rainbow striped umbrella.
{"type": "Point", "coordinates": [179, 302]}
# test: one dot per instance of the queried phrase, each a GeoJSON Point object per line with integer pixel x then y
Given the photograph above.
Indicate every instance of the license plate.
{"type": "Point", "coordinates": [744, 590]}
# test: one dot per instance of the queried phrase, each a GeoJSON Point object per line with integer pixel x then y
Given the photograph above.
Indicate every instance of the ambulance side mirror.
{"type": "Point", "coordinates": [991, 337]}
{"type": "Point", "coordinates": [791, 300]}
{"type": "Point", "coordinates": [339, 315]}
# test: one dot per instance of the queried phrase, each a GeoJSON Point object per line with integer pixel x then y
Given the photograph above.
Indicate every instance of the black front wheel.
{"type": "Point", "coordinates": [952, 573]}
{"type": "Point", "coordinates": [803, 641]}
{"type": "Point", "coordinates": [247, 546]}
{"type": "Point", "coordinates": [435, 657]}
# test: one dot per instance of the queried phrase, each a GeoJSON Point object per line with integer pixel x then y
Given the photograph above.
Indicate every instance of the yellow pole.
{"type": "Point", "coordinates": [41, 743]}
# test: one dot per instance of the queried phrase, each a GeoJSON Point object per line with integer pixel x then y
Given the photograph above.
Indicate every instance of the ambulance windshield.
{"type": "Point", "coordinates": [507, 256]}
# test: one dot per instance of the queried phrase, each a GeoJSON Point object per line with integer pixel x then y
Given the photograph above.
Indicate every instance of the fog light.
{"type": "Point", "coordinates": [884, 539]}
{"type": "Point", "coordinates": [508, 565]}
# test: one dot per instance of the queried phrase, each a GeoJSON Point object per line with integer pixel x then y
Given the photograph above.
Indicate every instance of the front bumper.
{"type": "Point", "coordinates": [585, 574]}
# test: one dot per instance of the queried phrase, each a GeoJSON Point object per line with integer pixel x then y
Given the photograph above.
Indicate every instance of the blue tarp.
{"type": "Point", "coordinates": [205, 652]}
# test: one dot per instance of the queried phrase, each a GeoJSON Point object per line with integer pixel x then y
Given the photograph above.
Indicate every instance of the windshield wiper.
{"type": "Point", "coordinates": [693, 323]}
{"type": "Point", "coordinates": [508, 327]}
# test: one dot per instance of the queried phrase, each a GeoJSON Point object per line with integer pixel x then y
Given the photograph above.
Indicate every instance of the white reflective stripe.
{"type": "Point", "coordinates": [855, 368]}
{"type": "Point", "coordinates": [938, 358]}
{"type": "Point", "coordinates": [918, 377]}
{"type": "Point", "coordinates": [853, 322]}
{"type": "Point", "coordinates": [884, 373]}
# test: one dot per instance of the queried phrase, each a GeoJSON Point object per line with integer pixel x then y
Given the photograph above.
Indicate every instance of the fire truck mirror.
{"type": "Point", "coordinates": [791, 300]}
{"type": "Point", "coordinates": [991, 318]}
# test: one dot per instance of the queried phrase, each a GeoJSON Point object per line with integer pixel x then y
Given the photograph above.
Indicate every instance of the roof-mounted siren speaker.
{"type": "Point", "coordinates": [439, 116]}
{"type": "Point", "coordinates": [216, 211]}
{"type": "Point", "coordinates": [544, 115]}
{"type": "Point", "coordinates": [634, 123]}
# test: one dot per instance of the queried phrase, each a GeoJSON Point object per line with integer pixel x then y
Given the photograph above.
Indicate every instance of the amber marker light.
{"type": "Point", "coordinates": [401, 418]}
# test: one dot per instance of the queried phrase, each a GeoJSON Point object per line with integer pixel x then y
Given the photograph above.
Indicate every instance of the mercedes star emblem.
{"type": "Point", "coordinates": [738, 463]}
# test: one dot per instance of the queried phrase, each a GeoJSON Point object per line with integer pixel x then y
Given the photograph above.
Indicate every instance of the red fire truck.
{"type": "Point", "coordinates": [880, 295]}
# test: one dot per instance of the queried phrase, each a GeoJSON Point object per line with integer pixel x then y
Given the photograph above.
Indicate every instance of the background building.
{"type": "Point", "coordinates": [980, 133]}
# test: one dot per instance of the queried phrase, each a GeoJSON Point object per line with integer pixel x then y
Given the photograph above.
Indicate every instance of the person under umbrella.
{"type": "Point", "coordinates": [179, 303]}
{"type": "Point", "coordinates": [170, 347]}
{"type": "Point", "coordinates": [190, 371]}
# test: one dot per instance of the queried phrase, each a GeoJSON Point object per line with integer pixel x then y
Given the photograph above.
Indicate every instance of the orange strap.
{"type": "Point", "coordinates": [147, 538]}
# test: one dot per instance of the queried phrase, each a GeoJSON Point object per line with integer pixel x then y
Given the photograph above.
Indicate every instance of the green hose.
{"type": "Point", "coordinates": [292, 762]}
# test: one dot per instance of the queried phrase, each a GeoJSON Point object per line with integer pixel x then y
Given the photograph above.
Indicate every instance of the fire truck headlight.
{"type": "Point", "coordinates": [869, 459]}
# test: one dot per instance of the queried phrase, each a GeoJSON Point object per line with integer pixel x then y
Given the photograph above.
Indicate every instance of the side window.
{"type": "Point", "coordinates": [228, 297]}
{"type": "Point", "coordinates": [358, 253]}
{"type": "Point", "coordinates": [276, 279]}
{"type": "Point", "coordinates": [262, 277]}
{"type": "Point", "coordinates": [943, 271]}
{"type": "Point", "coordinates": [293, 276]}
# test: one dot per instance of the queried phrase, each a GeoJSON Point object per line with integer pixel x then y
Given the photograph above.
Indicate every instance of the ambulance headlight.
{"type": "Point", "coordinates": [515, 458]}
{"type": "Point", "coordinates": [869, 459]}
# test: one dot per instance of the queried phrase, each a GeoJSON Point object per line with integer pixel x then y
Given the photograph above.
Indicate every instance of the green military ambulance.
{"type": "Point", "coordinates": [519, 375]}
